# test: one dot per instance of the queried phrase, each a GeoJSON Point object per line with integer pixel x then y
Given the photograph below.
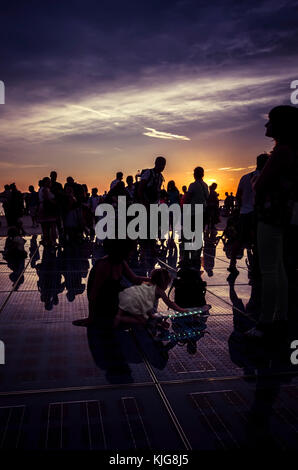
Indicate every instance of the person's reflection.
{"type": "Point", "coordinates": [74, 267]}
{"type": "Point", "coordinates": [265, 363]}
{"type": "Point", "coordinates": [209, 250]}
{"type": "Point", "coordinates": [169, 253]}
{"type": "Point", "coordinates": [110, 354]}
{"type": "Point", "coordinates": [113, 350]}
{"type": "Point", "coordinates": [49, 281]}
{"type": "Point", "coordinates": [172, 253]}
{"type": "Point", "coordinates": [15, 254]}
{"type": "Point", "coordinates": [34, 251]}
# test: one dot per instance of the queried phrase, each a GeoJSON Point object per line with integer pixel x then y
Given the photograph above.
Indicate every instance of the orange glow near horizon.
{"type": "Point", "coordinates": [224, 182]}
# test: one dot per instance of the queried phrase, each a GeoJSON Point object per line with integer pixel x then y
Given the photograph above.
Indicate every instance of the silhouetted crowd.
{"type": "Point", "coordinates": [67, 212]}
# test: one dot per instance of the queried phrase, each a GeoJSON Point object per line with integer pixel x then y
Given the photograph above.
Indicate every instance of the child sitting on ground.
{"type": "Point", "coordinates": [140, 302]}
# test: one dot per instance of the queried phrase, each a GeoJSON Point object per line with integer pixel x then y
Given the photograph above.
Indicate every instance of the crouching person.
{"type": "Point", "coordinates": [138, 303]}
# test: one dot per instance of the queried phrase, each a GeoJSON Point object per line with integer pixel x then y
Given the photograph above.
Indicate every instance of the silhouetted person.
{"type": "Point", "coordinates": [119, 178]}
{"type": "Point", "coordinates": [33, 204]}
{"type": "Point", "coordinates": [56, 187]}
{"type": "Point", "coordinates": [47, 213]}
{"type": "Point", "coordinates": [173, 193]}
{"type": "Point", "coordinates": [4, 198]}
{"type": "Point", "coordinates": [183, 195]}
{"type": "Point", "coordinates": [104, 283]}
{"type": "Point", "coordinates": [151, 181]}
{"type": "Point", "coordinates": [227, 204]}
{"type": "Point", "coordinates": [197, 193]}
{"type": "Point", "coordinates": [15, 208]}
{"type": "Point", "coordinates": [130, 189]}
{"type": "Point", "coordinates": [275, 188]}
{"type": "Point", "coordinates": [212, 211]}
{"type": "Point", "coordinates": [245, 201]}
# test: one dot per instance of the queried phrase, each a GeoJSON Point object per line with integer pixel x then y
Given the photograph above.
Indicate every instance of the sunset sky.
{"type": "Point", "coordinates": [93, 87]}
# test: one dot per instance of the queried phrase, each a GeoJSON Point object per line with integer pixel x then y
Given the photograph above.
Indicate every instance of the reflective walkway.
{"type": "Point", "coordinates": [66, 387]}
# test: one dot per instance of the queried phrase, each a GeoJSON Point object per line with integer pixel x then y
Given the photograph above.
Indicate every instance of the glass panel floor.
{"type": "Point", "coordinates": [198, 385]}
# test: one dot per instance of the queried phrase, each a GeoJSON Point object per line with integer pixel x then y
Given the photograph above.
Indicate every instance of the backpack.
{"type": "Point", "coordinates": [190, 289]}
{"type": "Point", "coordinates": [152, 189]}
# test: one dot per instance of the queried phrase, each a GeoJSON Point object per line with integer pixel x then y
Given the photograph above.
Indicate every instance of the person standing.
{"type": "Point", "coordinates": [119, 178]}
{"type": "Point", "coordinates": [94, 200]}
{"type": "Point", "coordinates": [149, 192]}
{"type": "Point", "coordinates": [47, 213]}
{"type": "Point", "coordinates": [274, 189]}
{"type": "Point", "coordinates": [151, 182]}
{"type": "Point", "coordinates": [246, 224]}
{"type": "Point", "coordinates": [4, 198]}
{"type": "Point", "coordinates": [57, 190]}
{"type": "Point", "coordinates": [33, 203]}
{"type": "Point", "coordinates": [197, 193]}
{"type": "Point", "coordinates": [173, 193]}
{"type": "Point", "coordinates": [183, 195]}
{"type": "Point", "coordinates": [227, 204]}
{"type": "Point", "coordinates": [15, 209]}
{"type": "Point", "coordinates": [212, 210]}
{"type": "Point", "coordinates": [130, 189]}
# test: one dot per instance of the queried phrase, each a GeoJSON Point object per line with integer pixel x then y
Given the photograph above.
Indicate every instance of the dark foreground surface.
{"type": "Point", "coordinates": [72, 388]}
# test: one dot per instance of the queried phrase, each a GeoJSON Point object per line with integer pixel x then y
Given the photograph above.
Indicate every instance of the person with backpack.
{"type": "Point", "coordinates": [275, 189]}
{"type": "Point", "coordinates": [148, 191]}
{"type": "Point", "coordinates": [151, 182]}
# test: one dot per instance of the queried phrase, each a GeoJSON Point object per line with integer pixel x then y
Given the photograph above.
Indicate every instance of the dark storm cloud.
{"type": "Point", "coordinates": [52, 50]}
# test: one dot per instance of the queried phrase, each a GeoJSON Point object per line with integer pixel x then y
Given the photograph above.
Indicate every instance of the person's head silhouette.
{"type": "Point", "coordinates": [282, 125]}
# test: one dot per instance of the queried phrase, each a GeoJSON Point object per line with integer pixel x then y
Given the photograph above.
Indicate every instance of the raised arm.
{"type": "Point", "coordinates": [161, 294]}
{"type": "Point", "coordinates": [132, 277]}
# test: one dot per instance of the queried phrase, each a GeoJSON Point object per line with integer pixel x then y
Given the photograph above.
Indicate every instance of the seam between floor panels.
{"type": "Point", "coordinates": [144, 384]}
{"type": "Point", "coordinates": [164, 398]}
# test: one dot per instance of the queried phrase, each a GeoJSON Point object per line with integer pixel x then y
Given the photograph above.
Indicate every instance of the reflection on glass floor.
{"type": "Point", "coordinates": [198, 385]}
